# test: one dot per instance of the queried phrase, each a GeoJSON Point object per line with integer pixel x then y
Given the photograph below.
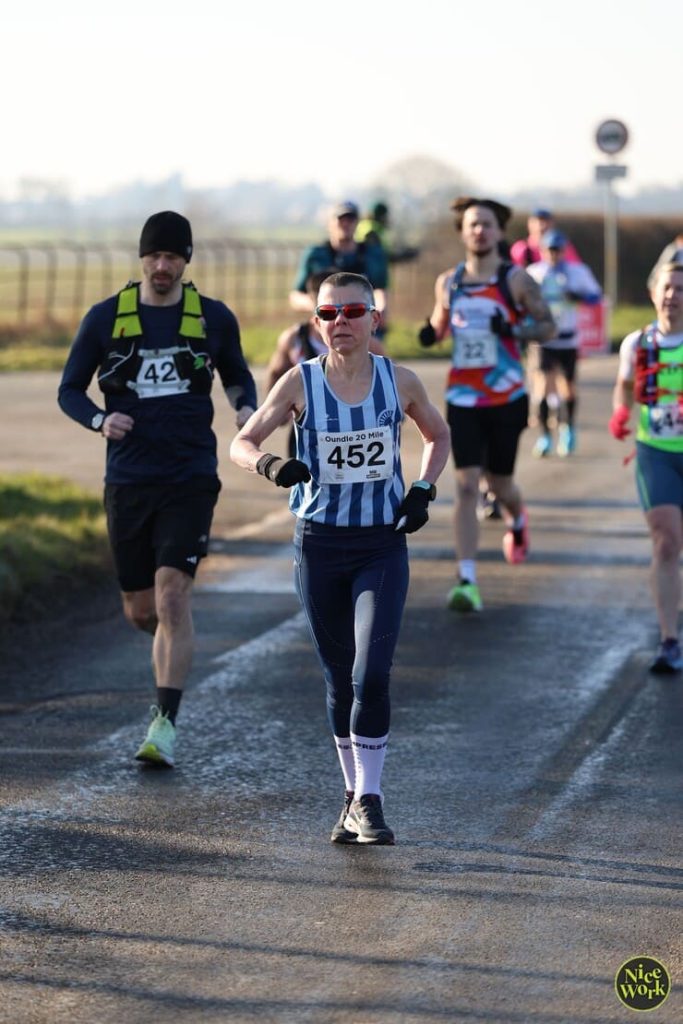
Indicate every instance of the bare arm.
{"type": "Point", "coordinates": [382, 302]}
{"type": "Point", "coordinates": [527, 293]}
{"type": "Point", "coordinates": [440, 318]}
{"type": "Point", "coordinates": [622, 394]}
{"type": "Point", "coordinates": [286, 397]}
{"type": "Point", "coordinates": [428, 420]}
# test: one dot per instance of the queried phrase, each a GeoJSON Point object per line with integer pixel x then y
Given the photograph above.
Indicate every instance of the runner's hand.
{"type": "Point", "coordinates": [618, 421]}
{"type": "Point", "coordinates": [283, 472]}
{"type": "Point", "coordinates": [116, 425]}
{"type": "Point", "coordinates": [500, 326]}
{"type": "Point", "coordinates": [427, 335]}
{"type": "Point", "coordinates": [242, 415]}
{"type": "Point", "coordinates": [412, 512]}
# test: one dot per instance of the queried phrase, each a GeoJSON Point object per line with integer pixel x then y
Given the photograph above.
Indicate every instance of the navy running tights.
{"type": "Point", "coordinates": [352, 583]}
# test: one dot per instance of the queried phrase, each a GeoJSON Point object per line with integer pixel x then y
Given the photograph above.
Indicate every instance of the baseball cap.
{"type": "Point", "coordinates": [346, 209]}
{"type": "Point", "coordinates": [542, 213]}
{"type": "Point", "coordinates": [553, 240]}
{"type": "Point", "coordinates": [167, 232]}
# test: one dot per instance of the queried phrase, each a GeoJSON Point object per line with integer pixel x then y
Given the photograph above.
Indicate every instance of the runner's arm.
{"type": "Point", "coordinates": [435, 434]}
{"type": "Point", "coordinates": [440, 314]}
{"type": "Point", "coordinates": [238, 383]}
{"type": "Point", "coordinates": [623, 388]}
{"type": "Point", "coordinates": [527, 293]}
{"type": "Point", "coordinates": [81, 365]}
{"type": "Point", "coordinates": [285, 399]}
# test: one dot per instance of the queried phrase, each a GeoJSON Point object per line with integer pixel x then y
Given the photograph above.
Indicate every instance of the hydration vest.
{"type": "Point", "coordinates": [645, 385]}
{"type": "Point", "coordinates": [128, 366]}
{"type": "Point", "coordinates": [658, 388]}
{"type": "Point", "coordinates": [486, 366]}
{"type": "Point", "coordinates": [501, 283]}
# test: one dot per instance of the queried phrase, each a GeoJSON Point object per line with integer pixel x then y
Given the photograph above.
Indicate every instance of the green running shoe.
{"type": "Point", "coordinates": [465, 597]}
{"type": "Point", "coordinates": [159, 742]}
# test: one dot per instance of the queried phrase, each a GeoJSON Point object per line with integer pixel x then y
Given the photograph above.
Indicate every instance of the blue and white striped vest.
{"type": "Point", "coordinates": [353, 451]}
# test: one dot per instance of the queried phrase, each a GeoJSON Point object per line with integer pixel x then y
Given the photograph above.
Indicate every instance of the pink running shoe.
{"type": "Point", "coordinates": [516, 542]}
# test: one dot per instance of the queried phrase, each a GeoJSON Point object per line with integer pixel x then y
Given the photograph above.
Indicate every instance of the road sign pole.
{"type": "Point", "coordinates": [611, 244]}
{"type": "Point", "coordinates": [611, 137]}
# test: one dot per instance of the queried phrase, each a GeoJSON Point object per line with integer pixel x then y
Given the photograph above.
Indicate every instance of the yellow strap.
{"type": "Point", "coordinates": [191, 325]}
{"type": "Point", "coordinates": [128, 300]}
{"type": "Point", "coordinates": [127, 323]}
{"type": "Point", "coordinates": [127, 327]}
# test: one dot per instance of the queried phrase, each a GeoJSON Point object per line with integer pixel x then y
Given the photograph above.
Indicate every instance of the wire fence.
{"type": "Point", "coordinates": [52, 286]}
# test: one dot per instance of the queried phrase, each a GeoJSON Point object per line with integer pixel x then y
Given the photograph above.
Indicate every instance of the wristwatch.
{"type": "Point", "coordinates": [426, 486]}
{"type": "Point", "coordinates": [97, 421]}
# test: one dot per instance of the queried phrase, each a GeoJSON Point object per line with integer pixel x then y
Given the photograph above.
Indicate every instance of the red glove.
{"type": "Point", "coordinates": [618, 421]}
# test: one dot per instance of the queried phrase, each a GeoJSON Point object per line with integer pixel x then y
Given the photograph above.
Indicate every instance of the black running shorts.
{"type": "Point", "coordinates": [488, 435]}
{"type": "Point", "coordinates": [563, 360]}
{"type": "Point", "coordinates": [155, 525]}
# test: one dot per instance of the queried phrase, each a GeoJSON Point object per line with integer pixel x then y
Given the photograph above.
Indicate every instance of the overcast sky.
{"type": "Point", "coordinates": [508, 92]}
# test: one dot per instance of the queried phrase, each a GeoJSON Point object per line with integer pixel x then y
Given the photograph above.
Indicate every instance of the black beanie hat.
{"type": "Point", "coordinates": [167, 232]}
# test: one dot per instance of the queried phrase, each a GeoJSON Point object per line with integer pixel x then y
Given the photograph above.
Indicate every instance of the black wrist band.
{"type": "Point", "coordinates": [264, 464]}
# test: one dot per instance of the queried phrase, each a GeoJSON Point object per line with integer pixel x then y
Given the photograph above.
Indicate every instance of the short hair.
{"type": "Point", "coordinates": [315, 279]}
{"type": "Point", "coordinates": [343, 279]}
{"type": "Point", "coordinates": [671, 266]}
{"type": "Point", "coordinates": [500, 211]}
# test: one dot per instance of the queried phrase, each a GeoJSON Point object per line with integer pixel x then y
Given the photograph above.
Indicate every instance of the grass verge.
{"type": "Point", "coordinates": [52, 541]}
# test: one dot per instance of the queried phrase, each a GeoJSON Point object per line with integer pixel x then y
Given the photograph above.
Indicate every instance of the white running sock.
{"type": "Point", "coordinates": [468, 570]}
{"type": "Point", "coordinates": [368, 754]}
{"type": "Point", "coordinates": [345, 755]}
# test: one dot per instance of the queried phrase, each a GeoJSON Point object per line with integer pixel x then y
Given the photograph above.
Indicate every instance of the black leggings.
{"type": "Point", "coordinates": [353, 583]}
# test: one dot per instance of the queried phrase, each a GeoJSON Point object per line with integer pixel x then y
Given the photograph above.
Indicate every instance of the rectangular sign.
{"type": "Point", "coordinates": [606, 172]}
{"type": "Point", "coordinates": [593, 326]}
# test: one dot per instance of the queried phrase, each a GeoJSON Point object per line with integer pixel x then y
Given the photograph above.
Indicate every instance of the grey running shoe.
{"type": "Point", "coordinates": [668, 658]}
{"type": "Point", "coordinates": [366, 820]}
{"type": "Point", "coordinates": [339, 833]}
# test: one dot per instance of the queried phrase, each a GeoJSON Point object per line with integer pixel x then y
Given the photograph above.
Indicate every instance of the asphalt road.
{"type": "Point", "coordinates": [533, 780]}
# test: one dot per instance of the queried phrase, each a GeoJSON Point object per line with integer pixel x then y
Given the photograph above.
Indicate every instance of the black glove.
{"type": "Point", "coordinates": [413, 509]}
{"type": "Point", "coordinates": [283, 472]}
{"type": "Point", "coordinates": [500, 326]}
{"type": "Point", "coordinates": [574, 296]}
{"type": "Point", "coordinates": [427, 335]}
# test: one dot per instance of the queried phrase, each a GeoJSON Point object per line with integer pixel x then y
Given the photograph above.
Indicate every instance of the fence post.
{"type": "Point", "coordinates": [50, 282]}
{"type": "Point", "coordinates": [78, 300]}
{"type": "Point", "coordinates": [22, 292]}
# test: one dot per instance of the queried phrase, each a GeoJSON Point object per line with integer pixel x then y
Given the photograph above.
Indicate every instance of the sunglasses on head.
{"type": "Point", "coordinates": [350, 310]}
